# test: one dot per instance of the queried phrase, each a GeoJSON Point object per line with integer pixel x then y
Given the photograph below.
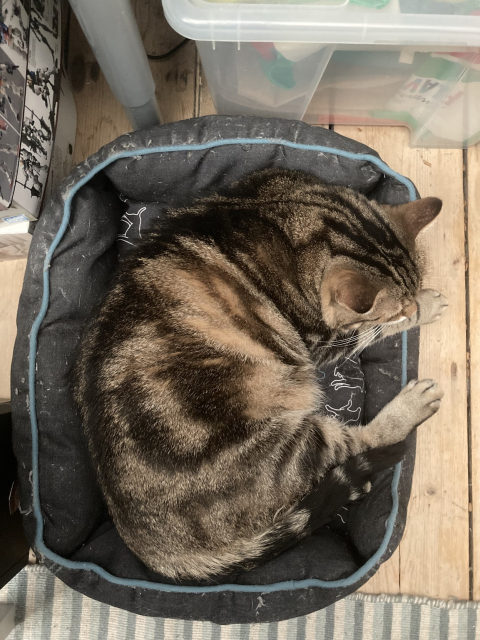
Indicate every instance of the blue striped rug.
{"type": "Point", "coordinates": [46, 609]}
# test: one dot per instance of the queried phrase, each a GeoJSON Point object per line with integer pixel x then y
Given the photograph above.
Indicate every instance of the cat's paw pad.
{"type": "Point", "coordinates": [431, 305]}
{"type": "Point", "coordinates": [421, 400]}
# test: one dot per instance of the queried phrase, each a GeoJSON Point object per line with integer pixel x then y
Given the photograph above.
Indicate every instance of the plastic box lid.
{"type": "Point", "coordinates": [446, 24]}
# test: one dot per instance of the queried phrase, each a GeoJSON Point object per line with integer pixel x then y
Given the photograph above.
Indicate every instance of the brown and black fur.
{"type": "Point", "coordinates": [196, 380]}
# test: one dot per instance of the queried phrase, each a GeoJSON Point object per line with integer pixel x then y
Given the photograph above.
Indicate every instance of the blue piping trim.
{"type": "Point", "coordinates": [404, 358]}
{"type": "Point", "coordinates": [88, 566]}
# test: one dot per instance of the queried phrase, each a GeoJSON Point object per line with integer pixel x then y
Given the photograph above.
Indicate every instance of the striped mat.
{"type": "Point", "coordinates": [46, 609]}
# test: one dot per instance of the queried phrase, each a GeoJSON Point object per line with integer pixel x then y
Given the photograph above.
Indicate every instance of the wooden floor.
{"type": "Point", "coordinates": [440, 552]}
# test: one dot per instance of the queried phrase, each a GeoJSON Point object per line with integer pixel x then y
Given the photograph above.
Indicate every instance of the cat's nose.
{"type": "Point", "coordinates": [410, 309]}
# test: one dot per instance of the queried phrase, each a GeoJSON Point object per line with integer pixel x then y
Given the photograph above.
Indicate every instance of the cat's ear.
{"type": "Point", "coordinates": [414, 216]}
{"type": "Point", "coordinates": [352, 290]}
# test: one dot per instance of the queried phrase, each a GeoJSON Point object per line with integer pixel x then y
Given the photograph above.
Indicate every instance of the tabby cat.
{"type": "Point", "coordinates": [196, 379]}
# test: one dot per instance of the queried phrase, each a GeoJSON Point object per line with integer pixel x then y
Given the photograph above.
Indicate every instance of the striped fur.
{"type": "Point", "coordinates": [196, 379]}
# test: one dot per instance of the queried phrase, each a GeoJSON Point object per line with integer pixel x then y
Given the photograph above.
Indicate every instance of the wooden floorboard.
{"type": "Point", "coordinates": [433, 558]}
{"type": "Point", "coordinates": [11, 280]}
{"type": "Point", "coordinates": [205, 102]}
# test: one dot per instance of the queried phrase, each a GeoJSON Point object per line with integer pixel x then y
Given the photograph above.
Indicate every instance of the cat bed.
{"type": "Point", "coordinates": [98, 214]}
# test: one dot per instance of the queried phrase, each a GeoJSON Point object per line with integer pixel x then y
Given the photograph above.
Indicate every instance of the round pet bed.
{"type": "Point", "coordinates": [98, 214]}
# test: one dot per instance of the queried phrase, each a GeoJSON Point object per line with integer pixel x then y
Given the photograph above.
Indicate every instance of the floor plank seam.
{"type": "Point", "coordinates": [468, 356]}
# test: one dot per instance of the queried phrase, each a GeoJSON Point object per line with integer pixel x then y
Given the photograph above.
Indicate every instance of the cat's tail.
{"type": "Point", "coordinates": [341, 485]}
{"type": "Point", "coordinates": [347, 482]}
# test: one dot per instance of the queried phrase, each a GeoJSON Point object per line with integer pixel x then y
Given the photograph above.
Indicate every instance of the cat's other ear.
{"type": "Point", "coordinates": [414, 216]}
{"type": "Point", "coordinates": [351, 290]}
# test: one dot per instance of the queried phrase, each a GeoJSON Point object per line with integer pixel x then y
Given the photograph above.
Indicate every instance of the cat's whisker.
{"type": "Point", "coordinates": [362, 337]}
{"type": "Point", "coordinates": [367, 337]}
{"type": "Point", "coordinates": [375, 335]}
{"type": "Point", "coordinates": [352, 339]}
{"type": "Point", "coordinates": [338, 342]}
{"type": "Point", "coordinates": [371, 337]}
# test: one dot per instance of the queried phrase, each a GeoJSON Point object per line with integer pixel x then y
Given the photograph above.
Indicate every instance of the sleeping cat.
{"type": "Point", "coordinates": [196, 379]}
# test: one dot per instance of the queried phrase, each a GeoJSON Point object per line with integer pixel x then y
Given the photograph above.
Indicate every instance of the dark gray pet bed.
{"type": "Point", "coordinates": [100, 211]}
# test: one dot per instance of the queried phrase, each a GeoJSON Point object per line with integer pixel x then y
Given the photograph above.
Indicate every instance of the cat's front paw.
{"type": "Point", "coordinates": [415, 403]}
{"type": "Point", "coordinates": [419, 400]}
{"type": "Point", "coordinates": [431, 306]}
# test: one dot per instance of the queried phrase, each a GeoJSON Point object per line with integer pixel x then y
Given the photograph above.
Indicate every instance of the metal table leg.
{"type": "Point", "coordinates": [111, 30]}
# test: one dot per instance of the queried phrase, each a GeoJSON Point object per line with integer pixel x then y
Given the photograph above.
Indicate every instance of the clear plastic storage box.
{"type": "Point", "coordinates": [401, 62]}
